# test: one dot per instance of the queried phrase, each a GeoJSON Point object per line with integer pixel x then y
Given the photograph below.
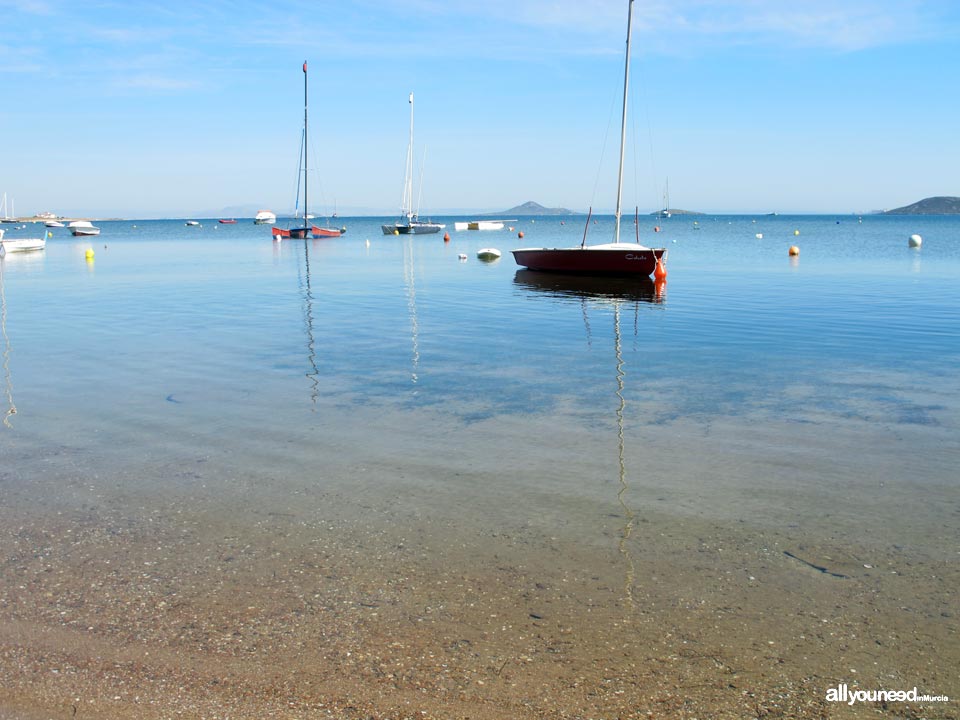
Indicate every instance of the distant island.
{"type": "Point", "coordinates": [929, 206]}
{"type": "Point", "coordinates": [533, 208]}
{"type": "Point", "coordinates": [673, 211]}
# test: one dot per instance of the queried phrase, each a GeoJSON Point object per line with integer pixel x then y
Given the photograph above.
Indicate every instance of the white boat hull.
{"type": "Point", "coordinates": [22, 245]}
{"type": "Point", "coordinates": [83, 227]}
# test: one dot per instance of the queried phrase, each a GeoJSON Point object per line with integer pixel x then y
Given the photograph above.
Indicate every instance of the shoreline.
{"type": "Point", "coordinates": [331, 605]}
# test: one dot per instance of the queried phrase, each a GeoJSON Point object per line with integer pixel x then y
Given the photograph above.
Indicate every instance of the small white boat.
{"type": "Point", "coordinates": [83, 228]}
{"type": "Point", "coordinates": [488, 254]}
{"type": "Point", "coordinates": [53, 223]}
{"type": "Point", "coordinates": [265, 217]}
{"type": "Point", "coordinates": [192, 223]}
{"type": "Point", "coordinates": [481, 224]}
{"type": "Point", "coordinates": [21, 244]}
{"type": "Point", "coordinates": [485, 225]}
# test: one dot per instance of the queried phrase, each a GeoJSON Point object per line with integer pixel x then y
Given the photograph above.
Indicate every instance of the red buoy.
{"type": "Point", "coordinates": [520, 234]}
{"type": "Point", "coordinates": [660, 272]}
{"type": "Point", "coordinates": [446, 237]}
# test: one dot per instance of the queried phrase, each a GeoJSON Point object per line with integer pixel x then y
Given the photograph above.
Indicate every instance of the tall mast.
{"type": "Point", "coordinates": [408, 186]}
{"type": "Point", "coordinates": [623, 123]}
{"type": "Point", "coordinates": [306, 174]}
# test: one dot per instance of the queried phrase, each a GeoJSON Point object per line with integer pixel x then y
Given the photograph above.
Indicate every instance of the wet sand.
{"type": "Point", "coordinates": [376, 596]}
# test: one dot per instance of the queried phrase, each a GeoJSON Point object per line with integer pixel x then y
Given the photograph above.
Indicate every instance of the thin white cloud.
{"type": "Point", "coordinates": [840, 25]}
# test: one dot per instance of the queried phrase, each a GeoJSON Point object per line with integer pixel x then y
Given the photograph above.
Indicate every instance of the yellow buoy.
{"type": "Point", "coordinates": [796, 232]}
{"type": "Point", "coordinates": [794, 251]}
{"type": "Point", "coordinates": [396, 232]}
{"type": "Point", "coordinates": [89, 254]}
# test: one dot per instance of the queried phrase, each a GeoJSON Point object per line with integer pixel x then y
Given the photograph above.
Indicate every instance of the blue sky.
{"type": "Point", "coordinates": [136, 109]}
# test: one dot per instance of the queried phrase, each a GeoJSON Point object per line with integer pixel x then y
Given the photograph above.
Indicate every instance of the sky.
{"type": "Point", "coordinates": [180, 109]}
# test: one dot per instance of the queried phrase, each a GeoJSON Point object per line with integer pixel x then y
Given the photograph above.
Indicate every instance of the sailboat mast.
{"type": "Point", "coordinates": [623, 123]}
{"type": "Point", "coordinates": [306, 212]}
{"type": "Point", "coordinates": [408, 184]}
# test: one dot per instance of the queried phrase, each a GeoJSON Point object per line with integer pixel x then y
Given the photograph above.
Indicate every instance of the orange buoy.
{"type": "Point", "coordinates": [656, 228]}
{"type": "Point", "coordinates": [520, 234]}
{"type": "Point", "coordinates": [446, 237]}
{"type": "Point", "coordinates": [660, 272]}
{"type": "Point", "coordinates": [794, 251]}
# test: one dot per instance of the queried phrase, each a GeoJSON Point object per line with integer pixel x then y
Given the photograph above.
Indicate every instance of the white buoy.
{"type": "Point", "coordinates": [759, 236]}
{"type": "Point", "coordinates": [915, 241]}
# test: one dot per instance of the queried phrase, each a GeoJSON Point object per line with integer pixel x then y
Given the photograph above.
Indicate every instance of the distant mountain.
{"type": "Point", "coordinates": [675, 211]}
{"type": "Point", "coordinates": [532, 208]}
{"type": "Point", "coordinates": [930, 206]}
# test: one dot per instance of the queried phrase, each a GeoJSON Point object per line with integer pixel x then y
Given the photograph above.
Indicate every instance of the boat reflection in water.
{"type": "Point", "coordinates": [615, 293]}
{"type": "Point", "coordinates": [642, 288]}
{"type": "Point", "coordinates": [7, 381]}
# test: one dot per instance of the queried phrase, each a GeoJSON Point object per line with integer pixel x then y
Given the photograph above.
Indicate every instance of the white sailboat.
{"type": "Point", "coordinates": [409, 222]}
{"type": "Point", "coordinates": [8, 217]}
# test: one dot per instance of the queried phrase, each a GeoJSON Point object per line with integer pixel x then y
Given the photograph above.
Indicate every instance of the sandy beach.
{"type": "Point", "coordinates": [221, 601]}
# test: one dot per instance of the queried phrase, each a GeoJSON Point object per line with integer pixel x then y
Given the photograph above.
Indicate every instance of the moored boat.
{"type": "Point", "coordinates": [265, 217]}
{"type": "Point", "coordinates": [409, 222]}
{"type": "Point", "coordinates": [307, 230]}
{"type": "Point", "coordinates": [21, 244]}
{"type": "Point", "coordinates": [83, 228]}
{"type": "Point", "coordinates": [227, 222]}
{"type": "Point", "coordinates": [616, 258]}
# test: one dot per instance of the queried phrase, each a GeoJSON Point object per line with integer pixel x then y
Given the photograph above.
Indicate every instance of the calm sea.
{"type": "Point", "coordinates": [801, 413]}
{"type": "Point", "coordinates": [175, 342]}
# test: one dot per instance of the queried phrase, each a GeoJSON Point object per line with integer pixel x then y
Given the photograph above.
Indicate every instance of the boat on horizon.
{"type": "Point", "coordinates": [227, 222]}
{"type": "Point", "coordinates": [306, 230]}
{"type": "Point", "coordinates": [410, 222]}
{"type": "Point", "coordinates": [83, 228]}
{"type": "Point", "coordinates": [615, 258]}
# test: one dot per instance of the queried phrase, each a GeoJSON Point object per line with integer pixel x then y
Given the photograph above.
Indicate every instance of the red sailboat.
{"type": "Point", "coordinates": [312, 230]}
{"type": "Point", "coordinates": [614, 258]}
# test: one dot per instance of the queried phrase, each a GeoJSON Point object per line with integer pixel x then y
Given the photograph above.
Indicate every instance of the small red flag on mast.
{"type": "Point", "coordinates": [304, 66]}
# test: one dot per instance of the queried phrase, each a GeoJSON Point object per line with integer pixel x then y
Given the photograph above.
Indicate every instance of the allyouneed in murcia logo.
{"type": "Point", "coordinates": [842, 693]}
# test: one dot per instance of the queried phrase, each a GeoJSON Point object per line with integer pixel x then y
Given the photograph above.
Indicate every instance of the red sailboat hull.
{"type": "Point", "coordinates": [319, 232]}
{"type": "Point", "coordinates": [301, 233]}
{"type": "Point", "coordinates": [616, 259]}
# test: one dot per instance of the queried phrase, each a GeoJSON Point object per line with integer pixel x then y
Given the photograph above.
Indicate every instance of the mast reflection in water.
{"type": "Point", "coordinates": [612, 292]}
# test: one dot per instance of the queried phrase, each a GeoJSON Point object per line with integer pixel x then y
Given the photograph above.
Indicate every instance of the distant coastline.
{"type": "Point", "coordinates": [940, 205]}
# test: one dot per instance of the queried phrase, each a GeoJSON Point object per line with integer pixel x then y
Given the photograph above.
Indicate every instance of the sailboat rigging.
{"type": "Point", "coordinates": [307, 230]}
{"type": "Point", "coordinates": [409, 222]}
{"type": "Point", "coordinates": [616, 258]}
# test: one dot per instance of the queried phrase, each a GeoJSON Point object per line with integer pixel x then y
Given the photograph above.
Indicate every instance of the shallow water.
{"type": "Point", "coordinates": [764, 445]}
